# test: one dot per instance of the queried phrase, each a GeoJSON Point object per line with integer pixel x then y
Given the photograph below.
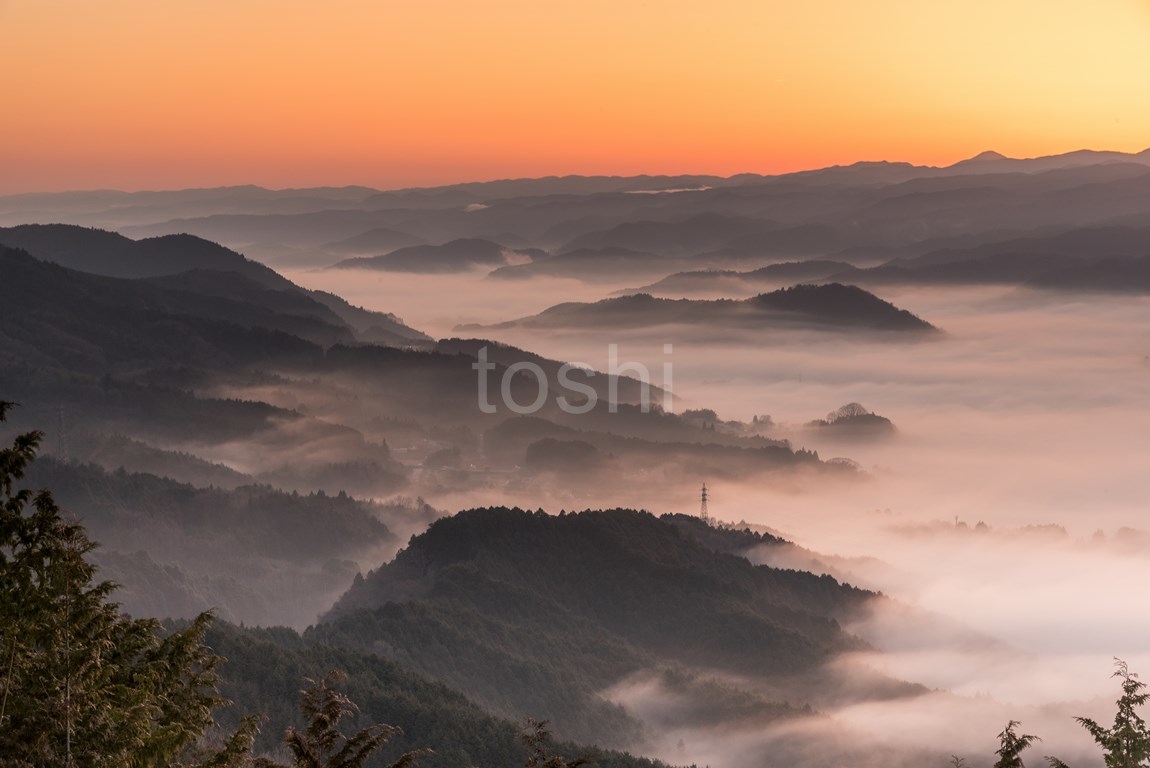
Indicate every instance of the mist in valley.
{"type": "Point", "coordinates": [981, 475]}
{"type": "Point", "coordinates": [1009, 503]}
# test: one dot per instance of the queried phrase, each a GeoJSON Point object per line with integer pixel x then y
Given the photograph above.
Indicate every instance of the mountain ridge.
{"type": "Point", "coordinates": [162, 259]}
{"type": "Point", "coordinates": [827, 305]}
{"type": "Point", "coordinates": [485, 600]}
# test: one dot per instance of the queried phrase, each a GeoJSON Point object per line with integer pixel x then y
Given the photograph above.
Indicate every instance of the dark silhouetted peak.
{"type": "Point", "coordinates": [841, 304]}
{"type": "Point", "coordinates": [987, 156]}
{"type": "Point", "coordinates": [107, 253]}
{"type": "Point", "coordinates": [833, 305]}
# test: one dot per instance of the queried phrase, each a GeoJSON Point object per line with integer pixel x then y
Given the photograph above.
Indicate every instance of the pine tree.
{"type": "Point", "coordinates": [1126, 744]}
{"type": "Point", "coordinates": [1012, 745]}
{"type": "Point", "coordinates": [537, 739]}
{"type": "Point", "coordinates": [321, 744]}
{"type": "Point", "coordinates": [80, 683]}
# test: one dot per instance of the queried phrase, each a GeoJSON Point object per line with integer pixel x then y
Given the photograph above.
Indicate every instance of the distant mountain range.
{"type": "Point", "coordinates": [995, 161]}
{"type": "Point", "coordinates": [828, 306]}
{"type": "Point", "coordinates": [695, 234]}
{"type": "Point", "coordinates": [1102, 258]}
{"type": "Point", "coordinates": [1113, 259]}
{"type": "Point", "coordinates": [863, 214]}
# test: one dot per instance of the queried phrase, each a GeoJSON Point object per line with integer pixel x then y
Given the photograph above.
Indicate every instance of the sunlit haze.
{"type": "Point", "coordinates": [133, 94]}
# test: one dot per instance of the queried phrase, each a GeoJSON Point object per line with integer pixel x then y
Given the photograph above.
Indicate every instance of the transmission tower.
{"type": "Point", "coordinates": [703, 506]}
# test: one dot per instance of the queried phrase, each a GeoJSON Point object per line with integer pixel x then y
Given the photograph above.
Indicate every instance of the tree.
{"type": "Point", "coordinates": [536, 738]}
{"type": "Point", "coordinates": [82, 684]}
{"type": "Point", "coordinates": [322, 744]}
{"type": "Point", "coordinates": [1012, 745]}
{"type": "Point", "coordinates": [1126, 744]}
{"type": "Point", "coordinates": [236, 751]}
{"type": "Point", "coordinates": [848, 411]}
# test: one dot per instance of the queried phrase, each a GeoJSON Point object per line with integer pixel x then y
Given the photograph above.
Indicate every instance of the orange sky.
{"type": "Point", "coordinates": [138, 94]}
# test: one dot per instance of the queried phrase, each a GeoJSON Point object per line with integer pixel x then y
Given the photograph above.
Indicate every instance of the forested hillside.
{"type": "Point", "coordinates": [251, 553]}
{"type": "Point", "coordinates": [265, 669]}
{"type": "Point", "coordinates": [542, 613]}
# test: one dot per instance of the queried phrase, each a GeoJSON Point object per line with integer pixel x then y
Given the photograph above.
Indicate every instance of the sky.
{"type": "Point", "coordinates": [147, 94]}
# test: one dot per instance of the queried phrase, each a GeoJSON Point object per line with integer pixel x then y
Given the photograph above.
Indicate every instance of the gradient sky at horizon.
{"type": "Point", "coordinates": [137, 94]}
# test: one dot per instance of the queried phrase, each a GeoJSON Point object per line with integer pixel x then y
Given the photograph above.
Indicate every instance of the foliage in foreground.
{"type": "Point", "coordinates": [82, 683]}
{"type": "Point", "coordinates": [1011, 745]}
{"type": "Point", "coordinates": [1126, 744]}
{"type": "Point", "coordinates": [321, 744]}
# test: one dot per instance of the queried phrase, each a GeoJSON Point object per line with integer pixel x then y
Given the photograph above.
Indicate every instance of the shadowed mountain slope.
{"type": "Point", "coordinates": [218, 272]}
{"type": "Point", "coordinates": [535, 612]}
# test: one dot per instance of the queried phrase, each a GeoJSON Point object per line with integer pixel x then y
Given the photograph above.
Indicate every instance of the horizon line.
{"type": "Point", "coordinates": [990, 155]}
